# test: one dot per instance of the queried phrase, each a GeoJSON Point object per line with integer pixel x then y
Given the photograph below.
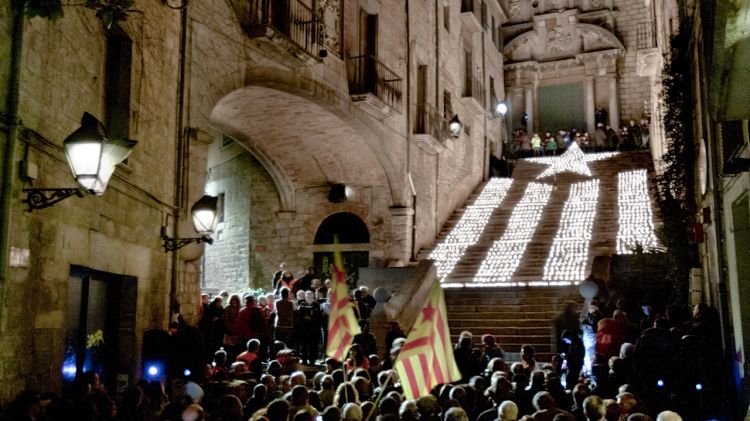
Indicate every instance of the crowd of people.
{"type": "Point", "coordinates": [630, 136]}
{"type": "Point", "coordinates": [262, 361]}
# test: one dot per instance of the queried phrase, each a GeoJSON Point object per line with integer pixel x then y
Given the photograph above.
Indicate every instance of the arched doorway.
{"type": "Point", "coordinates": [348, 233]}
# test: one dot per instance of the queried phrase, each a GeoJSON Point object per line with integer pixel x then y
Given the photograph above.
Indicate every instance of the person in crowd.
{"type": "Point", "coordinates": [536, 145]}
{"type": "Point", "coordinates": [366, 339]}
{"type": "Point", "coordinates": [594, 409]}
{"type": "Point", "coordinates": [527, 359]}
{"type": "Point", "coordinates": [212, 324]}
{"type": "Point", "coordinates": [308, 328]}
{"type": "Point", "coordinates": [252, 324]}
{"type": "Point", "coordinates": [250, 356]}
{"type": "Point", "coordinates": [356, 359]}
{"type": "Point", "coordinates": [276, 276]}
{"type": "Point", "coordinates": [546, 407]}
{"type": "Point", "coordinates": [305, 282]}
{"type": "Point", "coordinates": [231, 339]}
{"type": "Point", "coordinates": [491, 349]}
{"type": "Point", "coordinates": [286, 280]}
{"type": "Point", "coordinates": [285, 308]}
{"type": "Point", "coordinates": [468, 358]}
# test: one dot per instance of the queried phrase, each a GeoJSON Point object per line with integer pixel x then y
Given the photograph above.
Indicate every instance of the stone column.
{"type": "Point", "coordinates": [529, 100]}
{"type": "Point", "coordinates": [614, 105]}
{"type": "Point", "coordinates": [399, 248]}
{"type": "Point", "coordinates": [588, 104]}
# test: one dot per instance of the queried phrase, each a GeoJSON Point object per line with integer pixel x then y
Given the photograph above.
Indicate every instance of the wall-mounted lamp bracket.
{"type": "Point", "coordinates": [44, 198]}
{"type": "Point", "coordinates": [172, 244]}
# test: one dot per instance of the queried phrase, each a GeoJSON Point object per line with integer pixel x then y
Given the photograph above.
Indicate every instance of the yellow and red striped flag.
{"type": "Point", "coordinates": [426, 360]}
{"type": "Point", "coordinates": [342, 323]}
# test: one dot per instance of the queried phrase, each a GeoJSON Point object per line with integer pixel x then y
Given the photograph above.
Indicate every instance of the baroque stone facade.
{"type": "Point", "coordinates": [590, 49]}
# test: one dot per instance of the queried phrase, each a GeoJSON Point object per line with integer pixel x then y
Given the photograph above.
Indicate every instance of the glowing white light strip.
{"type": "Point", "coordinates": [636, 220]}
{"type": "Point", "coordinates": [569, 253]}
{"type": "Point", "coordinates": [505, 255]}
{"type": "Point", "coordinates": [469, 227]}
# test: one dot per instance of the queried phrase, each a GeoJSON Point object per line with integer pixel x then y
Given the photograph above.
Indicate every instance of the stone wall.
{"type": "Point", "coordinates": [634, 89]}
{"type": "Point", "coordinates": [116, 233]}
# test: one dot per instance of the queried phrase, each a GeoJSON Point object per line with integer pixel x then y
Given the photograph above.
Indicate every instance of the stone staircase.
{"type": "Point", "coordinates": [515, 315]}
{"type": "Point", "coordinates": [521, 309]}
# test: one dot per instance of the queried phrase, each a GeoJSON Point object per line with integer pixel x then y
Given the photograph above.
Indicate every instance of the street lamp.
{"type": "Point", "coordinates": [92, 157]}
{"type": "Point", "coordinates": [501, 108]}
{"type": "Point", "coordinates": [455, 126]}
{"type": "Point", "coordinates": [205, 219]}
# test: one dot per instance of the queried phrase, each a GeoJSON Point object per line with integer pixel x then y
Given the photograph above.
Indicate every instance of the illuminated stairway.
{"type": "Point", "coordinates": [512, 257]}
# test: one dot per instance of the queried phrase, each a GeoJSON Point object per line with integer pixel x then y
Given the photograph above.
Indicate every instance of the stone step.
{"type": "Point", "coordinates": [492, 301]}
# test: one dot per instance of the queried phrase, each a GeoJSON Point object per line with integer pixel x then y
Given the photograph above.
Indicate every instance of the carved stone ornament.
{"type": "Point", "coordinates": [330, 14]}
{"type": "Point", "coordinates": [558, 41]}
{"type": "Point", "coordinates": [515, 7]}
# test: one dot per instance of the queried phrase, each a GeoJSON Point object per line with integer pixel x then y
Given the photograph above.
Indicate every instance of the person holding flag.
{"type": "Point", "coordinates": [426, 359]}
{"type": "Point", "coordinates": [342, 323]}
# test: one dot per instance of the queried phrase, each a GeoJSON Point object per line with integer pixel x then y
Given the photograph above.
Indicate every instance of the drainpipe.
{"type": "Point", "coordinates": [485, 155]}
{"type": "Point", "coordinates": [9, 164]}
{"type": "Point", "coordinates": [408, 137]}
{"type": "Point", "coordinates": [437, 103]}
{"type": "Point", "coordinates": [179, 157]}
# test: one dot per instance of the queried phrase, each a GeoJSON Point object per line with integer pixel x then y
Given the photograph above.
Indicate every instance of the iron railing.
{"type": "Point", "coordinates": [474, 88]}
{"type": "Point", "coordinates": [646, 38]}
{"type": "Point", "coordinates": [293, 18]}
{"type": "Point", "coordinates": [368, 75]}
{"type": "Point", "coordinates": [428, 120]}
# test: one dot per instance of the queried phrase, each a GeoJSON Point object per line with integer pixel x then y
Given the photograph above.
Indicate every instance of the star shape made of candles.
{"type": "Point", "coordinates": [573, 160]}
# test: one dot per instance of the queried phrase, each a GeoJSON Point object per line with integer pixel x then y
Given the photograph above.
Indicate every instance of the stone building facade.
{"type": "Point", "coordinates": [569, 60]}
{"type": "Point", "coordinates": [367, 107]}
{"type": "Point", "coordinates": [231, 99]}
{"type": "Point", "coordinates": [308, 119]}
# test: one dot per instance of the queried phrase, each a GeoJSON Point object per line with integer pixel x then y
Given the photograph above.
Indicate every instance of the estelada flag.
{"type": "Point", "coordinates": [342, 323]}
{"type": "Point", "coordinates": [426, 360]}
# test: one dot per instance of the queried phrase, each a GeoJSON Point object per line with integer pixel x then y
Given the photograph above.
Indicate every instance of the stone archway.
{"type": "Point", "coordinates": [346, 233]}
{"type": "Point", "coordinates": [299, 142]}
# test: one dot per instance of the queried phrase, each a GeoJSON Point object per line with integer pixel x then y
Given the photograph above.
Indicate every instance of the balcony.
{"type": "Point", "coordinates": [373, 86]}
{"type": "Point", "coordinates": [471, 15]}
{"type": "Point", "coordinates": [290, 25]}
{"type": "Point", "coordinates": [472, 96]}
{"type": "Point", "coordinates": [649, 59]}
{"type": "Point", "coordinates": [429, 131]}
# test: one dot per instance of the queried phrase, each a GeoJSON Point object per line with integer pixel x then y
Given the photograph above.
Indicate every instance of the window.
{"type": "Point", "coordinates": [447, 105]}
{"type": "Point", "coordinates": [447, 18]}
{"type": "Point", "coordinates": [493, 28]}
{"type": "Point", "coordinates": [468, 65]}
{"type": "Point", "coordinates": [493, 96]}
{"type": "Point", "coordinates": [733, 137]}
{"type": "Point", "coordinates": [484, 15]}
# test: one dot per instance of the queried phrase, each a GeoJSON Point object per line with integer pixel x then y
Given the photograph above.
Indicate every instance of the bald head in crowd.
{"type": "Point", "coordinates": [507, 411]}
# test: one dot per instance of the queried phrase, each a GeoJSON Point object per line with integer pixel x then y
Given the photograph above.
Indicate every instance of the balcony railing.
{"type": "Point", "coordinates": [474, 88]}
{"type": "Point", "coordinates": [367, 75]}
{"type": "Point", "coordinates": [295, 19]}
{"type": "Point", "coordinates": [429, 121]}
{"type": "Point", "coordinates": [646, 38]}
